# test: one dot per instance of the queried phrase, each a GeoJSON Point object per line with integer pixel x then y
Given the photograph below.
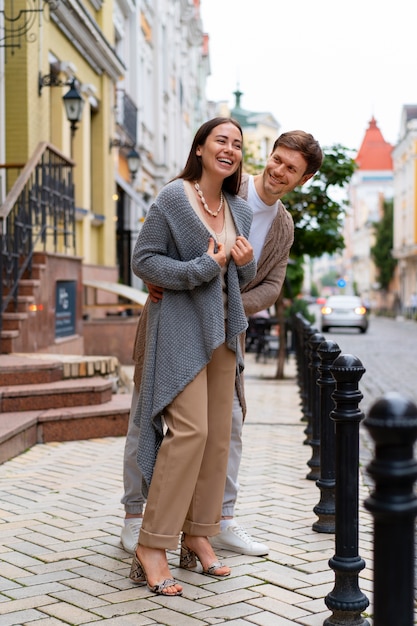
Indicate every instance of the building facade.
{"type": "Point", "coordinates": [371, 184]}
{"type": "Point", "coordinates": [405, 208]}
{"type": "Point", "coordinates": [139, 70]}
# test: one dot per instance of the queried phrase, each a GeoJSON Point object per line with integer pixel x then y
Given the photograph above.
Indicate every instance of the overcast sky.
{"type": "Point", "coordinates": [322, 66]}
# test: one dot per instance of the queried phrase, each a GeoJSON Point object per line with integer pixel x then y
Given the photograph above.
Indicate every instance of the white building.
{"type": "Point", "coordinates": [159, 104]}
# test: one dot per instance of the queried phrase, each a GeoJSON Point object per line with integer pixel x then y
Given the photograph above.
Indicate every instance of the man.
{"type": "Point", "coordinates": [295, 158]}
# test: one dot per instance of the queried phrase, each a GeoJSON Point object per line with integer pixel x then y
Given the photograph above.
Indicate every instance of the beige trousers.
{"type": "Point", "coordinates": [187, 487]}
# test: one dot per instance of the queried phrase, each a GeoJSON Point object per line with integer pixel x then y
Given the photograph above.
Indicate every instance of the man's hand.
{"type": "Point", "coordinates": [155, 292]}
{"type": "Point", "coordinates": [242, 251]}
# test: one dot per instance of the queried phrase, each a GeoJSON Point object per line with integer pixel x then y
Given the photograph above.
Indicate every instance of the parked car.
{"type": "Point", "coordinates": [344, 312]}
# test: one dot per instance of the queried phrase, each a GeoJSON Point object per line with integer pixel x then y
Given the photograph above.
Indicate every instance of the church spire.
{"type": "Point", "coordinates": [238, 94]}
{"type": "Point", "coordinates": [375, 152]}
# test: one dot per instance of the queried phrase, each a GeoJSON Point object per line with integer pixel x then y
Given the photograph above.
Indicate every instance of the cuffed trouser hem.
{"type": "Point", "coordinates": [201, 530]}
{"type": "Point", "coordinates": [163, 542]}
{"type": "Point", "coordinates": [134, 510]}
{"type": "Point", "coordinates": [228, 511]}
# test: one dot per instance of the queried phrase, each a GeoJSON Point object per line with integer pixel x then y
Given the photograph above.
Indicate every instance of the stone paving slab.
{"type": "Point", "coordinates": [61, 561]}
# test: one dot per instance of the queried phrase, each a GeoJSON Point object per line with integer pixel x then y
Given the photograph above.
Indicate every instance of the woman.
{"type": "Point", "coordinates": [194, 245]}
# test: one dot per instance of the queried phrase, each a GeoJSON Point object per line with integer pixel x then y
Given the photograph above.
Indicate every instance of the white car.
{"type": "Point", "coordinates": [344, 312]}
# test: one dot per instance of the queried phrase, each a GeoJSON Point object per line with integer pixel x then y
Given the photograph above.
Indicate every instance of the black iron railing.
{"type": "Point", "coordinates": [37, 215]}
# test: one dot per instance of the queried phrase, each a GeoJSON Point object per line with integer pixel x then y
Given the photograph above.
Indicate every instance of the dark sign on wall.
{"type": "Point", "coordinates": [65, 308]}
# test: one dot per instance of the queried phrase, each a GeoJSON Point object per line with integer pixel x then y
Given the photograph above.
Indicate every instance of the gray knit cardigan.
{"type": "Point", "coordinates": [187, 324]}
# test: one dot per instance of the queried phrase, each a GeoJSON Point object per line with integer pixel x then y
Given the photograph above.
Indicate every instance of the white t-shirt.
{"type": "Point", "coordinates": [263, 216]}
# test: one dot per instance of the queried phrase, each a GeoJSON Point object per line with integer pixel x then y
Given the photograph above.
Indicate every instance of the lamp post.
{"type": "Point", "coordinates": [74, 104]}
{"type": "Point", "coordinates": [133, 162]}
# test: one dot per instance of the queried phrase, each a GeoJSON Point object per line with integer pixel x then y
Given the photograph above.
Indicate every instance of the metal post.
{"type": "Point", "coordinates": [346, 601]}
{"type": "Point", "coordinates": [325, 510]}
{"type": "Point", "coordinates": [308, 333]}
{"type": "Point", "coordinates": [314, 462]}
{"type": "Point", "coordinates": [392, 423]}
{"type": "Point", "coordinates": [302, 363]}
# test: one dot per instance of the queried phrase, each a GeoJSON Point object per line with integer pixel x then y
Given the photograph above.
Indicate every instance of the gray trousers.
{"type": "Point", "coordinates": [133, 499]}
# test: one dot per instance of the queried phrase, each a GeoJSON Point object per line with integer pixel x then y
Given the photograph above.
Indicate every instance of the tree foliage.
{"type": "Point", "coordinates": [318, 217]}
{"type": "Point", "coordinates": [384, 240]}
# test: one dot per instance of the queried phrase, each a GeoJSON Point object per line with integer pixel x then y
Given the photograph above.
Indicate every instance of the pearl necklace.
{"type": "Point", "coordinates": [204, 203]}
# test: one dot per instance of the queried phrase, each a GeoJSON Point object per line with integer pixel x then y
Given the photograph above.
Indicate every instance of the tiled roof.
{"type": "Point", "coordinates": [375, 152]}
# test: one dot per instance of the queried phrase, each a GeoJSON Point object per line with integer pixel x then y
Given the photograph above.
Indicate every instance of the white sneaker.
{"type": "Point", "coordinates": [236, 539]}
{"type": "Point", "coordinates": [130, 533]}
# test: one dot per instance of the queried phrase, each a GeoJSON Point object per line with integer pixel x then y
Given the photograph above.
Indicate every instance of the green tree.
{"type": "Point", "coordinates": [384, 240]}
{"type": "Point", "coordinates": [318, 217]}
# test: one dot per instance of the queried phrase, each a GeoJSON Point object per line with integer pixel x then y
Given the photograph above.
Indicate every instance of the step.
{"type": "Point", "coordinates": [86, 422]}
{"type": "Point", "coordinates": [13, 321]}
{"type": "Point", "coordinates": [23, 303]}
{"type": "Point", "coordinates": [17, 369]}
{"type": "Point", "coordinates": [21, 368]}
{"type": "Point", "coordinates": [20, 431]}
{"type": "Point", "coordinates": [63, 393]}
{"type": "Point", "coordinates": [75, 365]}
{"type": "Point", "coordinates": [27, 287]}
{"type": "Point", "coordinates": [37, 271]}
{"type": "Point", "coordinates": [7, 340]}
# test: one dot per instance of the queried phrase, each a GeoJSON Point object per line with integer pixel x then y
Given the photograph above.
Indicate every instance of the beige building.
{"type": "Point", "coordinates": [405, 208]}
{"type": "Point", "coordinates": [371, 184]}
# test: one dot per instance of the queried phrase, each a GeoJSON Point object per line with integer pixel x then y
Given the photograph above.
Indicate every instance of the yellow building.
{"type": "Point", "coordinates": [86, 85]}
{"type": "Point", "coordinates": [57, 176]}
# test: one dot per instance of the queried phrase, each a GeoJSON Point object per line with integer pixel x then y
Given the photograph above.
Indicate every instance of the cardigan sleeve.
{"type": "Point", "coordinates": [246, 272]}
{"type": "Point", "coordinates": [153, 261]}
{"type": "Point", "coordinates": [263, 292]}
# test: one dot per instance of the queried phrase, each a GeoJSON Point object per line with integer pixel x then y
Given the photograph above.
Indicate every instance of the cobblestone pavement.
{"type": "Point", "coordinates": [61, 561]}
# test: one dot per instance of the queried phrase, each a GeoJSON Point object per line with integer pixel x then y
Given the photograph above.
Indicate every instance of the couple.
{"type": "Point", "coordinates": [198, 247]}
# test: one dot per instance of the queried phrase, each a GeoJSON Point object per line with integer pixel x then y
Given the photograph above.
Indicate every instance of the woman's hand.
{"type": "Point", "coordinates": [242, 251]}
{"type": "Point", "coordinates": [220, 255]}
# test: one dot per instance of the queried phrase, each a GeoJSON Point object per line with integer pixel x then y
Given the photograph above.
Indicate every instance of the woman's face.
{"type": "Point", "coordinates": [221, 153]}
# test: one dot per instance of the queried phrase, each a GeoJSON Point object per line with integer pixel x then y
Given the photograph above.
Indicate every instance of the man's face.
{"type": "Point", "coordinates": [284, 170]}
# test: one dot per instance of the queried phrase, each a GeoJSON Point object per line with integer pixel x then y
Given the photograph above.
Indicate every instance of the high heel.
{"type": "Point", "coordinates": [138, 576]}
{"type": "Point", "coordinates": [188, 560]}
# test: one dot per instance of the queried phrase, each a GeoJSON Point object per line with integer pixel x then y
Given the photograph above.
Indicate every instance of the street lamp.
{"type": "Point", "coordinates": [74, 103]}
{"type": "Point", "coordinates": [133, 162]}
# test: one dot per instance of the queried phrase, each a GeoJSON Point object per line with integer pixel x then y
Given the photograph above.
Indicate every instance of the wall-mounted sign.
{"type": "Point", "coordinates": [65, 308]}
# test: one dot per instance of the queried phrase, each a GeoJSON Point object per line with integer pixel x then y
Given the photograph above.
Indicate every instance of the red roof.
{"type": "Point", "coordinates": [375, 152]}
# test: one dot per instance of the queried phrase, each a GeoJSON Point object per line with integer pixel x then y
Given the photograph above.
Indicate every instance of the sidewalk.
{"type": "Point", "coordinates": [60, 519]}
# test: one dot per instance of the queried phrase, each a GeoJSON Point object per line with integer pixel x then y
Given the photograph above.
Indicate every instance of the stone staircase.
{"type": "Point", "coordinates": [46, 398]}
{"type": "Point", "coordinates": [13, 322]}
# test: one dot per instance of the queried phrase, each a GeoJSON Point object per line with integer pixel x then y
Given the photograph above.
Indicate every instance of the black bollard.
{"type": "Point", "coordinates": [296, 322]}
{"type": "Point", "coordinates": [346, 600]}
{"type": "Point", "coordinates": [325, 510]}
{"type": "Point", "coordinates": [392, 423]}
{"type": "Point", "coordinates": [314, 462]}
{"type": "Point", "coordinates": [309, 331]}
{"type": "Point", "coordinates": [304, 333]}
{"type": "Point", "coordinates": [299, 321]}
